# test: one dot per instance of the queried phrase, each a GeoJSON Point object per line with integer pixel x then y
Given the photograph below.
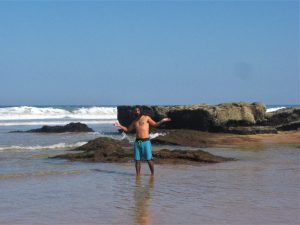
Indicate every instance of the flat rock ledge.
{"type": "Point", "coordinates": [104, 149]}
{"type": "Point", "coordinates": [71, 127]}
{"type": "Point", "coordinates": [200, 139]}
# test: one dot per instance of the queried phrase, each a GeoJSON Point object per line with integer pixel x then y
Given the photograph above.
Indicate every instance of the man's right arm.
{"type": "Point", "coordinates": [157, 124]}
{"type": "Point", "coordinates": [125, 129]}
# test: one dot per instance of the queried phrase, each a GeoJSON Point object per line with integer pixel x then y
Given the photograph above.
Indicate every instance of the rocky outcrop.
{"type": "Point", "coordinates": [201, 117]}
{"type": "Point", "coordinates": [238, 118]}
{"type": "Point", "coordinates": [289, 126]}
{"type": "Point", "coordinates": [109, 150]}
{"type": "Point", "coordinates": [71, 127]}
{"type": "Point", "coordinates": [283, 119]}
{"type": "Point", "coordinates": [218, 118]}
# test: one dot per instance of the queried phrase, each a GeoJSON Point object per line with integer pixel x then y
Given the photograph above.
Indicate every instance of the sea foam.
{"type": "Point", "coordinates": [53, 122]}
{"type": "Point", "coordinates": [60, 146]}
{"type": "Point", "coordinates": [275, 109]}
{"type": "Point", "coordinates": [32, 113]}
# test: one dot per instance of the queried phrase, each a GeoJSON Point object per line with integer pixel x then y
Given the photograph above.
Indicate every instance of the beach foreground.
{"type": "Point", "coordinates": [260, 187]}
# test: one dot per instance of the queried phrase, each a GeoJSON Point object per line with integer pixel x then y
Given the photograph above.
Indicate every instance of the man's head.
{"type": "Point", "coordinates": [137, 111]}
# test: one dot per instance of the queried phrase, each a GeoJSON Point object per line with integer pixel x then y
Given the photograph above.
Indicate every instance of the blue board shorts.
{"type": "Point", "coordinates": [142, 147]}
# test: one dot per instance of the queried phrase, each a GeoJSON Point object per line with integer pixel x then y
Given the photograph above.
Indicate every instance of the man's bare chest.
{"type": "Point", "coordinates": [141, 123]}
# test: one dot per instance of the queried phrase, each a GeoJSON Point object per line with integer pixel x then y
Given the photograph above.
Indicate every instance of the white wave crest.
{"type": "Point", "coordinates": [42, 123]}
{"type": "Point", "coordinates": [29, 113]}
{"type": "Point", "coordinates": [62, 146]}
{"type": "Point", "coordinates": [154, 135]}
{"type": "Point", "coordinates": [274, 109]}
{"type": "Point", "coordinates": [132, 139]}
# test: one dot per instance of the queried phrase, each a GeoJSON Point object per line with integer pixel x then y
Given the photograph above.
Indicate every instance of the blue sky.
{"type": "Point", "coordinates": [163, 52]}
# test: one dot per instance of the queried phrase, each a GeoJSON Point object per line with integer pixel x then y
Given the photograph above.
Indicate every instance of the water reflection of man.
{"type": "Point", "coordinates": [142, 197]}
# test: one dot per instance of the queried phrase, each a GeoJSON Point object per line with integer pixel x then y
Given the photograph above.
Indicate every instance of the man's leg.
{"type": "Point", "coordinates": [151, 166]}
{"type": "Point", "coordinates": [138, 167]}
{"type": "Point", "coordinates": [137, 158]}
{"type": "Point", "coordinates": [148, 155]}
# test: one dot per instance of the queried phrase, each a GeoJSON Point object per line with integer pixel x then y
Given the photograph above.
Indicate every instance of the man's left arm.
{"type": "Point", "coordinates": [157, 124]}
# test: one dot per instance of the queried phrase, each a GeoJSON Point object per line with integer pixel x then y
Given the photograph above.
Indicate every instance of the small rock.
{"type": "Point", "coordinates": [71, 127]}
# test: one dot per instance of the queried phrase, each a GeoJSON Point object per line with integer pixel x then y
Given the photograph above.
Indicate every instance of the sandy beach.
{"type": "Point", "coordinates": [206, 139]}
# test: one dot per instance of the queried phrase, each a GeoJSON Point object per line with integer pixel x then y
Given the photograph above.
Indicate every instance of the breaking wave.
{"type": "Point", "coordinates": [275, 109]}
{"type": "Point", "coordinates": [54, 122]}
{"type": "Point", "coordinates": [21, 148]}
{"type": "Point", "coordinates": [32, 113]}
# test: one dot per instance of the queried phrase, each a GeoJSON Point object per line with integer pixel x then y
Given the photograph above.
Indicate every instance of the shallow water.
{"type": "Point", "coordinates": [261, 187]}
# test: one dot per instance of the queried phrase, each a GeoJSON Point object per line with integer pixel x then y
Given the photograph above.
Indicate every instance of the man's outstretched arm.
{"type": "Point", "coordinates": [125, 129]}
{"type": "Point", "coordinates": [157, 124]}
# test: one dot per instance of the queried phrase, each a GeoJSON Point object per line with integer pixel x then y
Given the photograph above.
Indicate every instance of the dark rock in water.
{"type": "Point", "coordinates": [200, 117]}
{"type": "Point", "coordinates": [176, 156]}
{"type": "Point", "coordinates": [289, 126]}
{"type": "Point", "coordinates": [282, 116]}
{"type": "Point", "coordinates": [109, 150]}
{"type": "Point", "coordinates": [71, 127]}
{"type": "Point", "coordinates": [102, 149]}
{"type": "Point", "coordinates": [106, 143]}
{"type": "Point", "coordinates": [252, 130]}
{"type": "Point", "coordinates": [283, 119]}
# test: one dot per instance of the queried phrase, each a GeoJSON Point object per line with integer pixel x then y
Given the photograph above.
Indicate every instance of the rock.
{"type": "Point", "coordinates": [71, 127]}
{"type": "Point", "coordinates": [252, 130]}
{"type": "Point", "coordinates": [105, 143]}
{"type": "Point", "coordinates": [282, 116]}
{"type": "Point", "coordinates": [200, 117]}
{"type": "Point", "coordinates": [201, 139]}
{"type": "Point", "coordinates": [102, 149]}
{"type": "Point", "coordinates": [183, 138]}
{"type": "Point", "coordinates": [238, 118]}
{"type": "Point", "coordinates": [180, 156]}
{"type": "Point", "coordinates": [219, 117]}
{"type": "Point", "coordinates": [289, 126]}
{"type": "Point", "coordinates": [283, 119]}
{"type": "Point", "coordinates": [109, 150]}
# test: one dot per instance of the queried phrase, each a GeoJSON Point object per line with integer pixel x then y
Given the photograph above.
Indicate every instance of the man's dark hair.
{"type": "Point", "coordinates": [140, 108]}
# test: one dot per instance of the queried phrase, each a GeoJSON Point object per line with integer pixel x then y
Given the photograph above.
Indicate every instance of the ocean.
{"type": "Point", "coordinates": [261, 187]}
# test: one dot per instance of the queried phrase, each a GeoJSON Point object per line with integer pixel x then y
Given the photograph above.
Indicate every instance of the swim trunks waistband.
{"type": "Point", "coordinates": [142, 139]}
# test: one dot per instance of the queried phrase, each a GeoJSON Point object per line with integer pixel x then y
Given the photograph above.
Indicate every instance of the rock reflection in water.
{"type": "Point", "coordinates": [142, 199]}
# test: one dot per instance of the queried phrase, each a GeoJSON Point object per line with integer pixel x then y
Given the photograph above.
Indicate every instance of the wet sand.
{"type": "Point", "coordinates": [205, 139]}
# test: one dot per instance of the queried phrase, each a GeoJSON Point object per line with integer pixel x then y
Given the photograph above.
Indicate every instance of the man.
{"type": "Point", "coordinates": [142, 144]}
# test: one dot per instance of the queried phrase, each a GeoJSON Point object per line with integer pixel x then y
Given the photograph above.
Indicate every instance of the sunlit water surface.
{"type": "Point", "coordinates": [261, 187]}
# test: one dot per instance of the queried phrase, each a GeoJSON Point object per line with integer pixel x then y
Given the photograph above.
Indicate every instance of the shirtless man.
{"type": "Point", "coordinates": [142, 144]}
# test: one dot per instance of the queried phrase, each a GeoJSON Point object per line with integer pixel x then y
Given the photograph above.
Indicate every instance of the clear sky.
{"type": "Point", "coordinates": [137, 52]}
